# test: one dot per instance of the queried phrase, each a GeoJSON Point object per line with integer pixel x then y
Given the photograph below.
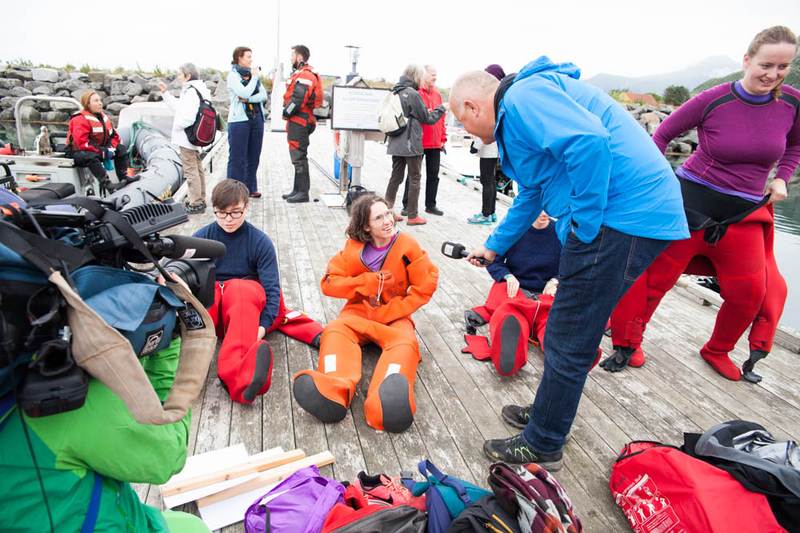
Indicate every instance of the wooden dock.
{"type": "Point", "coordinates": [458, 398]}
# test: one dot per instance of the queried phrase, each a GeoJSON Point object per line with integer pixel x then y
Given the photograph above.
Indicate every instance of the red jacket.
{"type": "Point", "coordinates": [88, 133]}
{"type": "Point", "coordinates": [303, 93]}
{"type": "Point", "coordinates": [433, 136]}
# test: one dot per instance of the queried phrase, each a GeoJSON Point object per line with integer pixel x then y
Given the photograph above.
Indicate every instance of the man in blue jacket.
{"type": "Point", "coordinates": [580, 156]}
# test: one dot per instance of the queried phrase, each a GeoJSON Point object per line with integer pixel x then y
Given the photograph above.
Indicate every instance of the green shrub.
{"type": "Point", "coordinates": [676, 95]}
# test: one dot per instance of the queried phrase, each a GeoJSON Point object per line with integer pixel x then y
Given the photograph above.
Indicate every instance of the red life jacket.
{"type": "Point", "coordinates": [101, 134]}
{"type": "Point", "coordinates": [305, 75]}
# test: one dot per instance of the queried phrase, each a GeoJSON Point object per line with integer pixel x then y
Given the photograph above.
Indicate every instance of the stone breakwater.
{"type": "Point", "coordinates": [117, 91]}
{"type": "Point", "coordinates": [649, 117]}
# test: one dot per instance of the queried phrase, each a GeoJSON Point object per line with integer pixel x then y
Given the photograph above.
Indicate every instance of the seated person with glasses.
{"type": "Point", "coordinates": [248, 302]}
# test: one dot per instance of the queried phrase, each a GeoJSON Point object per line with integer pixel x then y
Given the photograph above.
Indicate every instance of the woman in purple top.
{"type": "Point", "coordinates": [744, 128]}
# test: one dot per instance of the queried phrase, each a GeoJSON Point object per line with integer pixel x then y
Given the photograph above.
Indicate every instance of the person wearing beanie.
{"type": "Point", "coordinates": [488, 166]}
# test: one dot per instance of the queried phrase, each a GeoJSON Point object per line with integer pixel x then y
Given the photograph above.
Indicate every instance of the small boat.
{"type": "Point", "coordinates": [145, 127]}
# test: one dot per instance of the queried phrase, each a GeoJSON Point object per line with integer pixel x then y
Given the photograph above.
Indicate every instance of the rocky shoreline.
{"type": "Point", "coordinates": [116, 90]}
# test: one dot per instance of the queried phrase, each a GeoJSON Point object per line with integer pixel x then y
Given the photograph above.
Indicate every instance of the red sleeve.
{"type": "Point", "coordinates": [114, 139]}
{"type": "Point", "coordinates": [444, 129]}
{"type": "Point", "coordinates": [79, 130]}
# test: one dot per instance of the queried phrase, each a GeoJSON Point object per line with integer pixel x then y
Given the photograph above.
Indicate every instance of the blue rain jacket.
{"type": "Point", "coordinates": [580, 156]}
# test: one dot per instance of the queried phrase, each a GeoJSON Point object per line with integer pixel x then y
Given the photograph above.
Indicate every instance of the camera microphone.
{"type": "Point", "coordinates": [182, 247]}
{"type": "Point", "coordinates": [457, 251]}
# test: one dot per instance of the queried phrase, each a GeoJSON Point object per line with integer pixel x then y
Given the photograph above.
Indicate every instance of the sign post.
{"type": "Point", "coordinates": [354, 111]}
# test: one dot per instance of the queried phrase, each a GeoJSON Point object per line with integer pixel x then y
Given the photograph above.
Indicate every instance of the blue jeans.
{"type": "Point", "coordinates": [244, 140]}
{"type": "Point", "coordinates": [594, 277]}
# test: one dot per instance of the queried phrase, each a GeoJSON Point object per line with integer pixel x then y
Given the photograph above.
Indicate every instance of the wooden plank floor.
{"type": "Point", "coordinates": [458, 398]}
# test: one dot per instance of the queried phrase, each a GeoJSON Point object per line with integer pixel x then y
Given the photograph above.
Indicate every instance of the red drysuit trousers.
{"type": "Point", "coordinates": [753, 289]}
{"type": "Point", "coordinates": [531, 315]}
{"type": "Point", "coordinates": [236, 312]}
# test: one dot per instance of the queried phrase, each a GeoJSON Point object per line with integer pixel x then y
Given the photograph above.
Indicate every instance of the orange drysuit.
{"type": "Point", "coordinates": [378, 309]}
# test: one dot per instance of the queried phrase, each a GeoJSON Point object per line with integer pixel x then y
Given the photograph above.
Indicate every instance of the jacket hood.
{"type": "Point", "coordinates": [404, 83]}
{"type": "Point", "coordinates": [543, 64]}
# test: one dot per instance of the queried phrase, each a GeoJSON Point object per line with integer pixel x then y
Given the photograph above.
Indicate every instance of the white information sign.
{"type": "Point", "coordinates": [356, 108]}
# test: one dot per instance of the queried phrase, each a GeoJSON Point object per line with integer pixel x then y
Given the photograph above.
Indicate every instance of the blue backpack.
{"type": "Point", "coordinates": [445, 496]}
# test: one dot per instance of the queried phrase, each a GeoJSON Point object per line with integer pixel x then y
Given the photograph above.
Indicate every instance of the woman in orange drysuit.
{"type": "Point", "coordinates": [385, 276]}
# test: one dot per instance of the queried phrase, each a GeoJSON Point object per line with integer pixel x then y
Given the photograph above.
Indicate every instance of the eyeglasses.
{"type": "Point", "coordinates": [235, 215]}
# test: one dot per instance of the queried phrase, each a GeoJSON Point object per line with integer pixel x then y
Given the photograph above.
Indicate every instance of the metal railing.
{"type": "Point", "coordinates": [18, 105]}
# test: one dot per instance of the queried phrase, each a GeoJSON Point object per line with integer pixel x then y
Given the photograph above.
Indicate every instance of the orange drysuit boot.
{"type": "Point", "coordinates": [378, 308]}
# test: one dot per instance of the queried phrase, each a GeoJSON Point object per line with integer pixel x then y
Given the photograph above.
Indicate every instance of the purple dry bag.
{"type": "Point", "coordinates": [299, 504]}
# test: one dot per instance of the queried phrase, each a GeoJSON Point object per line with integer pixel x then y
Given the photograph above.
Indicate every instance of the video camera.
{"type": "Point", "coordinates": [113, 240]}
{"type": "Point", "coordinates": [52, 235]}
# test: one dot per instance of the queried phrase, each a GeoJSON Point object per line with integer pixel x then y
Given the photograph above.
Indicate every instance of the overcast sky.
{"type": "Point", "coordinates": [625, 38]}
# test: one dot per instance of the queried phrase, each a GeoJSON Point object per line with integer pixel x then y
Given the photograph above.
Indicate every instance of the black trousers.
{"type": "Point", "coordinates": [94, 162]}
{"type": "Point", "coordinates": [298, 136]}
{"type": "Point", "coordinates": [489, 185]}
{"type": "Point", "coordinates": [433, 158]}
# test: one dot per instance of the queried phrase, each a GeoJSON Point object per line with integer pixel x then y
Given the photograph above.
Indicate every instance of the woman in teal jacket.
{"type": "Point", "coordinates": [83, 455]}
{"type": "Point", "coordinates": [245, 119]}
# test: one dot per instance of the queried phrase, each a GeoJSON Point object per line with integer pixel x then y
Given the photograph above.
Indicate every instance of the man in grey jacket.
{"type": "Point", "coordinates": [406, 147]}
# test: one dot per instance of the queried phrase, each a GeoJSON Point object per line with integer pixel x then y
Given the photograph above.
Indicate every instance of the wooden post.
{"type": "Point", "coordinates": [357, 141]}
{"type": "Point", "coordinates": [344, 170]}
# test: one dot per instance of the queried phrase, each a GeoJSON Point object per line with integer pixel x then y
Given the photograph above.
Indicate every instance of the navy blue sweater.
{"type": "Point", "coordinates": [249, 254]}
{"type": "Point", "coordinates": [533, 259]}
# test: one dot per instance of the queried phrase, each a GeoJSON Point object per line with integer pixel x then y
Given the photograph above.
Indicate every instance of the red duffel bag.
{"type": "Point", "coordinates": [663, 490]}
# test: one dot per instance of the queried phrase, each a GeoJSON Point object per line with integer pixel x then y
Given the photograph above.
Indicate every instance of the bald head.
{"type": "Point", "coordinates": [472, 85]}
{"type": "Point", "coordinates": [472, 102]}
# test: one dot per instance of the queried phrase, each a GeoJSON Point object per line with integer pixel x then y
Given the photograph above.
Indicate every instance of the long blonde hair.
{"type": "Point", "coordinates": [773, 35]}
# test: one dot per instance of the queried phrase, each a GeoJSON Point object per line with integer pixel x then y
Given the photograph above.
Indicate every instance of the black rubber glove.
{"type": "Point", "coordinates": [618, 360]}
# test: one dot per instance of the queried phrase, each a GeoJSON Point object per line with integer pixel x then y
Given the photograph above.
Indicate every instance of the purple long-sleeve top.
{"type": "Point", "coordinates": [740, 140]}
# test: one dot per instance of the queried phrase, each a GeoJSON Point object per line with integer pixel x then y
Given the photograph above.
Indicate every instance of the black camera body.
{"type": "Point", "coordinates": [32, 318]}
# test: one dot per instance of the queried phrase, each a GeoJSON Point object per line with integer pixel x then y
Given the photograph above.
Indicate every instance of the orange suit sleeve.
{"type": "Point", "coordinates": [338, 284]}
{"type": "Point", "coordinates": [423, 278]}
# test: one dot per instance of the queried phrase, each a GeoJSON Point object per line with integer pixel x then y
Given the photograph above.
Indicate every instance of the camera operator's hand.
{"type": "Point", "coordinates": [261, 332]}
{"type": "Point", "coordinates": [161, 281]}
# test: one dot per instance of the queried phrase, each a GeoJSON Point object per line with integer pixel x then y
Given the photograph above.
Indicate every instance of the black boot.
{"type": "Point", "coordinates": [110, 186]}
{"type": "Point", "coordinates": [303, 184]}
{"type": "Point", "coordinates": [299, 197]}
{"type": "Point", "coordinates": [288, 194]}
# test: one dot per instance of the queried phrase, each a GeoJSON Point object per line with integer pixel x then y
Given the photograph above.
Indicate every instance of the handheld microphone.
{"type": "Point", "coordinates": [457, 251]}
{"type": "Point", "coordinates": [183, 247]}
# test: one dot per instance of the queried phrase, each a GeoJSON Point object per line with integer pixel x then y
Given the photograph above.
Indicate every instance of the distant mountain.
{"type": "Point", "coordinates": [793, 78]}
{"type": "Point", "coordinates": [711, 67]}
